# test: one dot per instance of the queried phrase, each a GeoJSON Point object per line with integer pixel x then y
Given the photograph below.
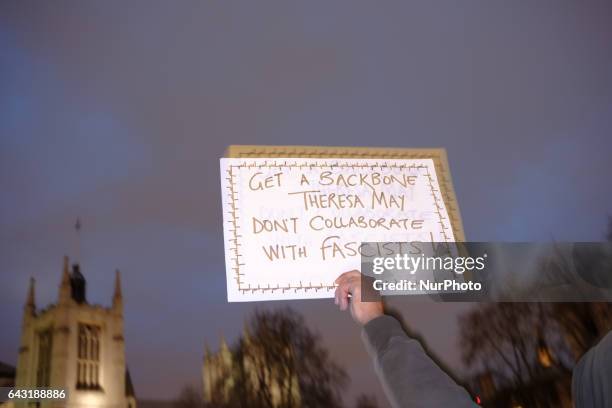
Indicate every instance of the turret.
{"type": "Point", "coordinates": [29, 309]}
{"type": "Point", "coordinates": [117, 296]}
{"type": "Point", "coordinates": [207, 374]}
{"type": "Point", "coordinates": [207, 353]}
{"type": "Point", "coordinates": [223, 345]}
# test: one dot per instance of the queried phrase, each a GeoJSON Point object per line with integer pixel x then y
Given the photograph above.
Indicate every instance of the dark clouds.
{"type": "Point", "coordinates": [118, 112]}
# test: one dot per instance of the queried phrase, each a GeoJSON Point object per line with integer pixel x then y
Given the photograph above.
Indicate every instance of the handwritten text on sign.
{"type": "Point", "coordinates": [291, 226]}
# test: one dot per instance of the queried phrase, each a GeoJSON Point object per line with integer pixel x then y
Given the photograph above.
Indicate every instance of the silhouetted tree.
{"type": "Point", "coordinates": [519, 345]}
{"type": "Point", "coordinates": [502, 339]}
{"type": "Point", "coordinates": [514, 349]}
{"type": "Point", "coordinates": [189, 398]}
{"type": "Point", "coordinates": [582, 324]}
{"type": "Point", "coordinates": [280, 362]}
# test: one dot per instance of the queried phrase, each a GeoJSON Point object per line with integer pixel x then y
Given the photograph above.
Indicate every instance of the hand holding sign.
{"type": "Point", "coordinates": [291, 225]}
{"type": "Point", "coordinates": [349, 284]}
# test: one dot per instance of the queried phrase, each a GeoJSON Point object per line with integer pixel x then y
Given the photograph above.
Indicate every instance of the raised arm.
{"type": "Point", "coordinates": [409, 376]}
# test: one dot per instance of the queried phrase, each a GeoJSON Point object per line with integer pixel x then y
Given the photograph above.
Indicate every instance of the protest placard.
{"type": "Point", "coordinates": [293, 224]}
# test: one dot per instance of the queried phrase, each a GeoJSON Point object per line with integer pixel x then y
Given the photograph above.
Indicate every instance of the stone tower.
{"type": "Point", "coordinates": [76, 346]}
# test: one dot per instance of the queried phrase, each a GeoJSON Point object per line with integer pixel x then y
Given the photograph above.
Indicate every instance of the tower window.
{"type": "Point", "coordinates": [45, 345]}
{"type": "Point", "coordinates": [88, 357]}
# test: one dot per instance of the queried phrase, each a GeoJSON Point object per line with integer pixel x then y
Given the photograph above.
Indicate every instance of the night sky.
{"type": "Point", "coordinates": [117, 112]}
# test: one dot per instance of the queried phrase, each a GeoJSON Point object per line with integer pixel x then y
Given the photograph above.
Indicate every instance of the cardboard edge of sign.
{"type": "Point", "coordinates": [438, 155]}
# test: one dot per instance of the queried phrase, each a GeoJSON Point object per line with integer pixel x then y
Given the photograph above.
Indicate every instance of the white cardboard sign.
{"type": "Point", "coordinates": [292, 226]}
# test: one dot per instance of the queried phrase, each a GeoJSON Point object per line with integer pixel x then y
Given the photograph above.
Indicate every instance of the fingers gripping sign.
{"type": "Point", "coordinates": [348, 295]}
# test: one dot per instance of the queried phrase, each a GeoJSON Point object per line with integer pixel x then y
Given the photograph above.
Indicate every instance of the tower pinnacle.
{"type": "Point", "coordinates": [30, 306]}
{"type": "Point", "coordinates": [223, 344]}
{"type": "Point", "coordinates": [207, 352]}
{"type": "Point", "coordinates": [117, 296]}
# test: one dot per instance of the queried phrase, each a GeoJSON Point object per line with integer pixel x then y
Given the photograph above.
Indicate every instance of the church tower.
{"type": "Point", "coordinates": [76, 346]}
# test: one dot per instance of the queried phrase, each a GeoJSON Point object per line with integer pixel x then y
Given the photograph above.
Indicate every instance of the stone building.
{"type": "Point", "coordinates": [217, 374]}
{"type": "Point", "coordinates": [76, 346]}
{"type": "Point", "coordinates": [224, 375]}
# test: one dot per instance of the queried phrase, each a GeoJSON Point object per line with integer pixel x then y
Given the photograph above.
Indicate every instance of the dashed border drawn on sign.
{"type": "Point", "coordinates": [234, 224]}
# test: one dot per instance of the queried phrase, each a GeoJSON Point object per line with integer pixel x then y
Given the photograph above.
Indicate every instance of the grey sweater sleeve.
{"type": "Point", "coordinates": [409, 376]}
{"type": "Point", "coordinates": [592, 376]}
